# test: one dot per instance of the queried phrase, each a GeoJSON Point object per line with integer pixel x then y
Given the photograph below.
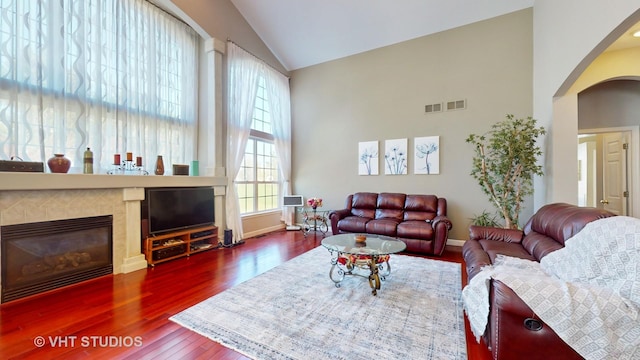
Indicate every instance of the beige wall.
{"type": "Point", "coordinates": [381, 95]}
{"type": "Point", "coordinates": [221, 20]}
{"type": "Point", "coordinates": [568, 36]}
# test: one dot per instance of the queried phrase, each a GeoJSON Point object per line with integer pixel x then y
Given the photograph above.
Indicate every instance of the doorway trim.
{"type": "Point", "coordinates": [633, 158]}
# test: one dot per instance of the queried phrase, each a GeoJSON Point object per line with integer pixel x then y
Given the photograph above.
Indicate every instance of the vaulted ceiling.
{"type": "Point", "coordinates": [301, 33]}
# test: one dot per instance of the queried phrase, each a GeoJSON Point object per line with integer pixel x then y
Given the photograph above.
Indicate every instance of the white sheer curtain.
{"type": "Point", "coordinates": [243, 73]}
{"type": "Point", "coordinates": [114, 75]}
{"type": "Point", "coordinates": [277, 86]}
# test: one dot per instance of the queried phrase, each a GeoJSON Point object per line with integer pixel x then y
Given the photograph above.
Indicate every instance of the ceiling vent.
{"type": "Point", "coordinates": [431, 108]}
{"type": "Point", "coordinates": [456, 105]}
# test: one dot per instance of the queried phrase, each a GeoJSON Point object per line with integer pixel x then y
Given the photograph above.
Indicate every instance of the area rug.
{"type": "Point", "coordinates": [294, 311]}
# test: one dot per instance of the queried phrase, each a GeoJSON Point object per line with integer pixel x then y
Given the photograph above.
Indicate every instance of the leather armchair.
{"type": "Point", "coordinates": [514, 331]}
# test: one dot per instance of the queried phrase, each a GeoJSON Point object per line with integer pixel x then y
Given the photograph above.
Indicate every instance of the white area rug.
{"type": "Point", "coordinates": [294, 311]}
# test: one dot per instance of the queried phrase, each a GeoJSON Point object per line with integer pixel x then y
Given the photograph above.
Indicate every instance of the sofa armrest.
{"type": "Point", "coordinates": [475, 258]}
{"type": "Point", "coordinates": [517, 332]}
{"type": "Point", "coordinates": [441, 219]}
{"type": "Point", "coordinates": [337, 215]}
{"type": "Point", "coordinates": [497, 234]}
{"type": "Point", "coordinates": [441, 226]}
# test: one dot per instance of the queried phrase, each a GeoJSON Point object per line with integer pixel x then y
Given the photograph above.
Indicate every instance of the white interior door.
{"type": "Point", "coordinates": [588, 181]}
{"type": "Point", "coordinates": [614, 173]}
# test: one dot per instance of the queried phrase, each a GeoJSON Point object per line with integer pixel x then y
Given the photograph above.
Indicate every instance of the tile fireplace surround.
{"type": "Point", "coordinates": [35, 197]}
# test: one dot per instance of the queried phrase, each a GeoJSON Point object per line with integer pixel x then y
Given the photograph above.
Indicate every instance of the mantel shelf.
{"type": "Point", "coordinates": [47, 181]}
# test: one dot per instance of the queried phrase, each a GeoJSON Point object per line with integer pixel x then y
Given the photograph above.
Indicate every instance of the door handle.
{"type": "Point", "coordinates": [604, 202]}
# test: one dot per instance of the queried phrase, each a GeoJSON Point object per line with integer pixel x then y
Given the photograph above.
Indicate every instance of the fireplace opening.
{"type": "Point", "coordinates": [43, 256]}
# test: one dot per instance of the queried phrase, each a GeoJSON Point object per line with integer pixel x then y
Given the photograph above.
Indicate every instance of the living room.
{"type": "Point", "coordinates": [351, 94]}
{"type": "Point", "coordinates": [526, 68]}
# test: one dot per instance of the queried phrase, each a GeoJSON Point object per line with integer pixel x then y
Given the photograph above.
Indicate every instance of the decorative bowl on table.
{"type": "Point", "coordinates": [361, 238]}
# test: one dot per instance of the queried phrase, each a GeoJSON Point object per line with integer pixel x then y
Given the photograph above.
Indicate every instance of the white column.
{"type": "Point", "coordinates": [564, 150]}
{"type": "Point", "coordinates": [221, 220]}
{"type": "Point", "coordinates": [211, 139]}
{"type": "Point", "coordinates": [210, 128]}
{"type": "Point", "coordinates": [133, 259]}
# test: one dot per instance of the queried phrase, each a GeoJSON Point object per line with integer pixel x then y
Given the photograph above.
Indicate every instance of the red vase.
{"type": "Point", "coordinates": [59, 164]}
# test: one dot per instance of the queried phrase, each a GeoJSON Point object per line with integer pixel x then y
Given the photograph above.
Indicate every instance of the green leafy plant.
{"type": "Point", "coordinates": [485, 219]}
{"type": "Point", "coordinates": [505, 163]}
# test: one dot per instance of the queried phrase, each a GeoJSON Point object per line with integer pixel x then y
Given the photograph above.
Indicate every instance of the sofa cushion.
{"type": "Point", "coordinates": [420, 207]}
{"type": "Point", "coordinates": [415, 229]}
{"type": "Point", "coordinates": [540, 245]}
{"type": "Point", "coordinates": [385, 227]}
{"type": "Point", "coordinates": [493, 248]}
{"type": "Point", "coordinates": [557, 223]}
{"type": "Point", "coordinates": [390, 206]}
{"type": "Point", "coordinates": [355, 224]}
{"type": "Point", "coordinates": [364, 204]}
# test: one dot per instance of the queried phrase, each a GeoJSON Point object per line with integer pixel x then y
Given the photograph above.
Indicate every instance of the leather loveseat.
{"type": "Point", "coordinates": [513, 330]}
{"type": "Point", "coordinates": [418, 220]}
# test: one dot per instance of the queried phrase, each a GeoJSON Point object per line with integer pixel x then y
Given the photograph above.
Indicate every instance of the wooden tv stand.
{"type": "Point", "coordinates": [177, 244]}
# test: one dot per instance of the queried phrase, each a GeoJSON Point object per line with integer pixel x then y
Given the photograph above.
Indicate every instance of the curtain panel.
{"type": "Point", "coordinates": [245, 71]}
{"type": "Point", "coordinates": [243, 75]}
{"type": "Point", "coordinates": [277, 86]}
{"type": "Point", "coordinates": [113, 75]}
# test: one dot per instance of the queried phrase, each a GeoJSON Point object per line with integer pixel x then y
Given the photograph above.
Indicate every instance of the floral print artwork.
{"type": "Point", "coordinates": [368, 158]}
{"type": "Point", "coordinates": [395, 157]}
{"type": "Point", "coordinates": [427, 155]}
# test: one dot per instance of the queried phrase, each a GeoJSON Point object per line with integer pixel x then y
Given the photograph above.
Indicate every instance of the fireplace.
{"type": "Point", "coordinates": [42, 256]}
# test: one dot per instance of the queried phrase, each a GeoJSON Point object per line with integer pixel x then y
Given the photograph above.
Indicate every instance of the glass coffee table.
{"type": "Point", "coordinates": [362, 255]}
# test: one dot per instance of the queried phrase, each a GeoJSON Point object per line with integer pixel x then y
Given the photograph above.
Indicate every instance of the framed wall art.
{"type": "Point", "coordinates": [395, 157]}
{"type": "Point", "coordinates": [368, 158]}
{"type": "Point", "coordinates": [426, 155]}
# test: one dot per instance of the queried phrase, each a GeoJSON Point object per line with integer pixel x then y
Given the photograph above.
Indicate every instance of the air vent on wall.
{"type": "Point", "coordinates": [431, 108]}
{"type": "Point", "coordinates": [456, 105]}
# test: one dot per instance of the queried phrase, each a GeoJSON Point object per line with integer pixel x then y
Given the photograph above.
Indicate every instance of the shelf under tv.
{"type": "Point", "coordinates": [177, 244]}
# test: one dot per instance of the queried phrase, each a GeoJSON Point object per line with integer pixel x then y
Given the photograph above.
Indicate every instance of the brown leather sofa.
{"type": "Point", "coordinates": [514, 331]}
{"type": "Point", "coordinates": [418, 220]}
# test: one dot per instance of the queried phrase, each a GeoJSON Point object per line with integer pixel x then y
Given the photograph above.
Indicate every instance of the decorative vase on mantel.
{"type": "Point", "coordinates": [59, 164]}
{"type": "Point", "coordinates": [159, 166]}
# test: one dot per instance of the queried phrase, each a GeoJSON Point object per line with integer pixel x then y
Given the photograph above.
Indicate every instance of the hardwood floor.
{"type": "Point", "coordinates": [126, 316]}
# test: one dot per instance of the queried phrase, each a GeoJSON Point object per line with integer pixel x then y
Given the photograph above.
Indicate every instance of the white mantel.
{"type": "Point", "coordinates": [35, 197]}
{"type": "Point", "coordinates": [46, 181]}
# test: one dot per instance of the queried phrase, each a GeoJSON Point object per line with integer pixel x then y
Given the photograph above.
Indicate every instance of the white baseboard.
{"type": "Point", "coordinates": [451, 242]}
{"type": "Point", "coordinates": [454, 242]}
{"type": "Point", "coordinates": [251, 234]}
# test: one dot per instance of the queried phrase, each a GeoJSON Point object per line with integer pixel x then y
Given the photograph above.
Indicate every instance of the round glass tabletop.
{"type": "Point", "coordinates": [372, 244]}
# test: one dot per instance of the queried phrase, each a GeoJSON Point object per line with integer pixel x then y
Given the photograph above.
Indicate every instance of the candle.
{"type": "Point", "coordinates": [129, 156]}
{"type": "Point", "coordinates": [116, 159]}
{"type": "Point", "coordinates": [139, 161]}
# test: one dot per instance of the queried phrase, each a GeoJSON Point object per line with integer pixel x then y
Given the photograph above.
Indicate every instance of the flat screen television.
{"type": "Point", "coordinates": [171, 209]}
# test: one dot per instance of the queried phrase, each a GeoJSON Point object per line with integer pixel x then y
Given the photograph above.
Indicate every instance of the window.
{"type": "Point", "coordinates": [258, 179]}
{"type": "Point", "coordinates": [117, 76]}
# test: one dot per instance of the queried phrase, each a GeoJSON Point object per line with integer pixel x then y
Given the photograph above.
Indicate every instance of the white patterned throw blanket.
{"type": "Point", "coordinates": [588, 292]}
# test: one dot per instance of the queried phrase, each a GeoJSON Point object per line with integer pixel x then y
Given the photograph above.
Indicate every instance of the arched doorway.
{"type": "Point", "coordinates": [608, 145]}
{"type": "Point", "coordinates": [607, 62]}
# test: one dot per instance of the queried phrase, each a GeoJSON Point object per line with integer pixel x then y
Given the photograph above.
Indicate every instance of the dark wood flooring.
{"type": "Point", "coordinates": [126, 316]}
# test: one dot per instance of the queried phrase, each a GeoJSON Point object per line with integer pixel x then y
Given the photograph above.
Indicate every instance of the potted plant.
{"type": "Point", "coordinates": [505, 163]}
{"type": "Point", "coordinates": [485, 219]}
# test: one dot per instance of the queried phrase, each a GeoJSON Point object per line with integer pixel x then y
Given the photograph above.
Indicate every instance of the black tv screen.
{"type": "Point", "coordinates": [170, 209]}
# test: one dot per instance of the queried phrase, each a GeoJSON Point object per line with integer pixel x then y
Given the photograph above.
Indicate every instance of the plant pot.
{"type": "Point", "coordinates": [59, 164]}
